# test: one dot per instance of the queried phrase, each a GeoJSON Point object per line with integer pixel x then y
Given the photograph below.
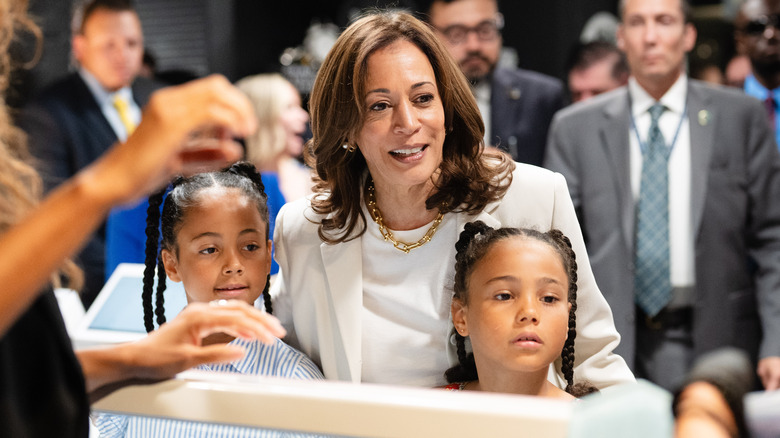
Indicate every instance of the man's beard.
{"type": "Point", "coordinates": [476, 75]}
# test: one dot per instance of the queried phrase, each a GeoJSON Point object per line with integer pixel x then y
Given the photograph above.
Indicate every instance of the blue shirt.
{"type": "Point", "coordinates": [126, 235]}
{"type": "Point", "coordinates": [275, 202]}
{"type": "Point", "coordinates": [277, 360]}
{"type": "Point", "coordinates": [755, 89]}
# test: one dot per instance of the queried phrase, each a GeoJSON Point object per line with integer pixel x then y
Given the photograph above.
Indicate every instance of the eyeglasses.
{"type": "Point", "coordinates": [487, 30]}
{"type": "Point", "coordinates": [759, 25]}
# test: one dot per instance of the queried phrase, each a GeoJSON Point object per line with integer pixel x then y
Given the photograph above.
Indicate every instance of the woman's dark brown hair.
{"type": "Point", "coordinates": [467, 181]}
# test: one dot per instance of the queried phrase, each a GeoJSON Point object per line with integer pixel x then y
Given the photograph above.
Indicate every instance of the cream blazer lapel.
{"type": "Point", "coordinates": [341, 339]}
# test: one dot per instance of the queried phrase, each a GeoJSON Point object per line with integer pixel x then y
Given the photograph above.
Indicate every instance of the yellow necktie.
{"type": "Point", "coordinates": [124, 114]}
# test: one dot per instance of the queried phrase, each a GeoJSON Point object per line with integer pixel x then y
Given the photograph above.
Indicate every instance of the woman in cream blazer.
{"type": "Point", "coordinates": [318, 294]}
{"type": "Point", "coordinates": [362, 303]}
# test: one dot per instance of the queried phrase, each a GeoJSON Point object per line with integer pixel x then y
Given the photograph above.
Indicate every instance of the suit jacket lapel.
{"type": "Point", "coordinates": [92, 116]}
{"type": "Point", "coordinates": [701, 121]}
{"type": "Point", "coordinates": [347, 291]}
{"type": "Point", "coordinates": [96, 122]}
{"type": "Point", "coordinates": [614, 138]}
{"type": "Point", "coordinates": [505, 108]}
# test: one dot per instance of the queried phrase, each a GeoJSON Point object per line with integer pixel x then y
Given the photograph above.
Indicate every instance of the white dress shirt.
{"type": "Point", "coordinates": [681, 246]}
{"type": "Point", "coordinates": [105, 101]}
{"type": "Point", "coordinates": [482, 91]}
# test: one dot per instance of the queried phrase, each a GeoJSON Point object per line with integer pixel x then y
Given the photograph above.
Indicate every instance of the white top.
{"type": "Point", "coordinates": [680, 226]}
{"type": "Point", "coordinates": [406, 311]}
{"type": "Point", "coordinates": [105, 101]}
{"type": "Point", "coordinates": [482, 93]}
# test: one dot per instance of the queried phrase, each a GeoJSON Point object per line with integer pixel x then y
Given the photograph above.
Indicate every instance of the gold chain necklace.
{"type": "Point", "coordinates": [388, 235]}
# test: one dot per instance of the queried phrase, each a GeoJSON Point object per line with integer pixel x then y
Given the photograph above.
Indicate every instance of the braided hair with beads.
{"type": "Point", "coordinates": [182, 195]}
{"type": "Point", "coordinates": [474, 242]}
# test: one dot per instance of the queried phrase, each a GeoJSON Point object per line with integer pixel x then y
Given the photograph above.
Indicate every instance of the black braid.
{"type": "Point", "coordinates": [466, 369]}
{"type": "Point", "coordinates": [161, 286]}
{"type": "Point", "coordinates": [470, 230]}
{"type": "Point", "coordinates": [567, 355]}
{"type": "Point", "coordinates": [152, 237]}
{"type": "Point", "coordinates": [267, 297]}
{"type": "Point", "coordinates": [244, 168]}
{"type": "Point", "coordinates": [248, 170]}
{"type": "Point", "coordinates": [467, 254]}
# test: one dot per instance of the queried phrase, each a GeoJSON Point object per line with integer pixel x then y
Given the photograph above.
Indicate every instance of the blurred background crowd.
{"type": "Point", "coordinates": [237, 38]}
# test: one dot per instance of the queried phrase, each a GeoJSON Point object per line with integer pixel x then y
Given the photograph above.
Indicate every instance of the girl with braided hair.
{"type": "Point", "coordinates": [516, 300]}
{"type": "Point", "coordinates": [44, 383]}
{"type": "Point", "coordinates": [215, 241]}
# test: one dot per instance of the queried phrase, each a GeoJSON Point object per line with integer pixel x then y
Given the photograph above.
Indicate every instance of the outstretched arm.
{"type": "Point", "coordinates": [37, 245]}
{"type": "Point", "coordinates": [176, 346]}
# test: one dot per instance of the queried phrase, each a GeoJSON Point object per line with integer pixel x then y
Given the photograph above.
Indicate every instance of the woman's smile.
{"type": "Point", "coordinates": [403, 132]}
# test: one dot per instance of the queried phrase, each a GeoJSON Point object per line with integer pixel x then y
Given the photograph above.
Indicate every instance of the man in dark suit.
{"type": "Point", "coordinates": [74, 121]}
{"type": "Point", "coordinates": [758, 36]}
{"type": "Point", "coordinates": [676, 185]}
{"type": "Point", "coordinates": [517, 105]}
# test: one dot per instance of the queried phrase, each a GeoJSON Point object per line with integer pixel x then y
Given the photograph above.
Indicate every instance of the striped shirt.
{"type": "Point", "coordinates": [277, 360]}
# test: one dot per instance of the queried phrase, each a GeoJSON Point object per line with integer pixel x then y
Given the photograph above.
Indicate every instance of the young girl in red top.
{"type": "Point", "coordinates": [515, 299]}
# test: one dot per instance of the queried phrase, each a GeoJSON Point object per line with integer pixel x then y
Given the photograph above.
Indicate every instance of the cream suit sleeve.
{"type": "Point", "coordinates": [319, 317]}
{"type": "Point", "coordinates": [597, 336]}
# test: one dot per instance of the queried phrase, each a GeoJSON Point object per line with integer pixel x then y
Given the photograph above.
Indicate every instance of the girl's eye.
{"type": "Point", "coordinates": [210, 250]}
{"type": "Point", "coordinates": [549, 299]}
{"type": "Point", "coordinates": [503, 296]}
{"type": "Point", "coordinates": [252, 247]}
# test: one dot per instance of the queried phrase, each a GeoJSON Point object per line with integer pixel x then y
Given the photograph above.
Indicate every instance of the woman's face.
{"type": "Point", "coordinates": [403, 132]}
{"type": "Point", "coordinates": [222, 251]}
{"type": "Point", "coordinates": [294, 119]}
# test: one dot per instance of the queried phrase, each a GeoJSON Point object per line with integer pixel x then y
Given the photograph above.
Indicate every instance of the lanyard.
{"type": "Point", "coordinates": [642, 144]}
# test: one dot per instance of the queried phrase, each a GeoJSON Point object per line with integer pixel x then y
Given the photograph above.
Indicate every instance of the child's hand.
{"type": "Point", "coordinates": [176, 345]}
{"type": "Point", "coordinates": [163, 144]}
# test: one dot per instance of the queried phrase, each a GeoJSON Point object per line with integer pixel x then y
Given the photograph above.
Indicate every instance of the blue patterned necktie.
{"type": "Point", "coordinates": [652, 283]}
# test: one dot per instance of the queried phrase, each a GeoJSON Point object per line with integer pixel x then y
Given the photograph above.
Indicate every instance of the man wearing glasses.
{"type": "Point", "coordinates": [758, 36]}
{"type": "Point", "coordinates": [516, 105]}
